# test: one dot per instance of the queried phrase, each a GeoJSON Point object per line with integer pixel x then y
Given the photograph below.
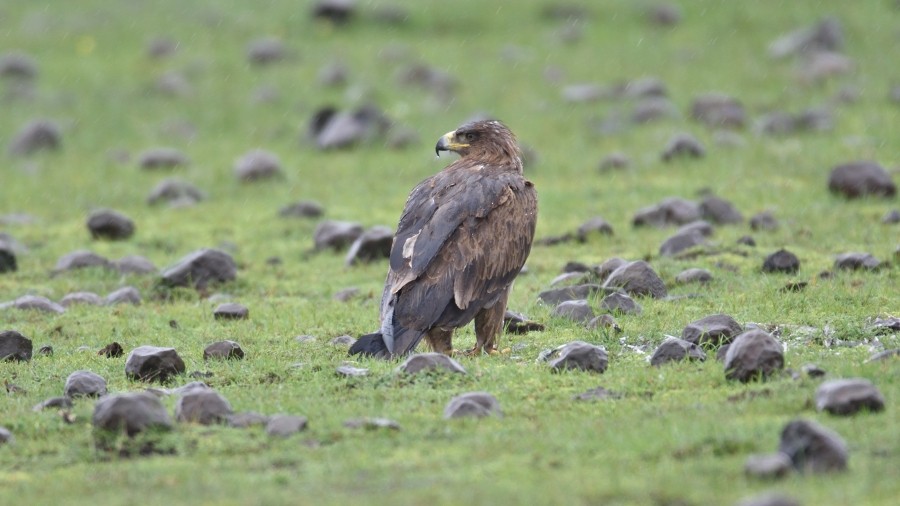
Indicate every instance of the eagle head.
{"type": "Point", "coordinates": [483, 142]}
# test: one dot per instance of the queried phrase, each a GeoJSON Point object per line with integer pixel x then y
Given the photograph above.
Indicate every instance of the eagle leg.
{"type": "Point", "coordinates": [488, 324]}
{"type": "Point", "coordinates": [439, 339]}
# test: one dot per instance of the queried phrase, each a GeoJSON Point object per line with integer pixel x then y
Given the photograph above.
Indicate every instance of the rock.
{"type": "Point", "coordinates": [614, 161]}
{"type": "Point", "coordinates": [346, 295]}
{"type": "Point", "coordinates": [231, 311]}
{"type": "Point", "coordinates": [608, 267]}
{"type": "Point", "coordinates": [175, 192]}
{"type": "Point", "coordinates": [747, 240]}
{"type": "Point", "coordinates": [264, 51]}
{"type": "Point", "coordinates": [131, 413]}
{"type": "Point", "coordinates": [37, 135]}
{"type": "Point", "coordinates": [650, 109]}
{"type": "Point", "coordinates": [856, 261]}
{"type": "Point", "coordinates": [338, 12]}
{"type": "Point", "coordinates": [813, 448]}
{"type": "Point", "coordinates": [680, 242]}
{"type": "Point", "coordinates": [637, 279]}
{"type": "Point", "coordinates": [162, 158]}
{"type": "Point", "coordinates": [772, 466]}
{"type": "Point", "coordinates": [769, 499]}
{"type": "Point", "coordinates": [200, 269]}
{"type": "Point", "coordinates": [579, 355]}
{"type": "Point", "coordinates": [336, 235]}
{"type": "Point", "coordinates": [683, 146]}
{"type": "Point", "coordinates": [89, 298]}
{"type": "Point", "coordinates": [781, 261]}
{"type": "Point", "coordinates": [7, 255]}
{"type": "Point", "coordinates": [53, 403]}
{"type": "Point", "coordinates": [663, 14]}
{"type": "Point", "coordinates": [223, 350]}
{"type": "Point", "coordinates": [246, 419]}
{"type": "Point", "coordinates": [821, 65]}
{"type": "Point", "coordinates": [285, 425]}
{"type": "Point", "coordinates": [848, 396]}
{"type": "Point", "coordinates": [343, 341]}
{"type": "Point", "coordinates": [429, 362]}
{"type": "Point", "coordinates": [885, 355]}
{"type": "Point", "coordinates": [671, 211]}
{"type": "Point", "coordinates": [713, 330]}
{"type": "Point", "coordinates": [134, 264]}
{"type": "Point", "coordinates": [693, 275]}
{"type": "Point", "coordinates": [604, 321]}
{"type": "Point", "coordinates": [584, 92]}
{"type": "Point", "coordinates": [597, 394]}
{"type": "Point", "coordinates": [889, 218]}
{"type": "Point", "coordinates": [6, 436]}
{"type": "Point", "coordinates": [346, 129]}
{"type": "Point", "coordinates": [84, 384]}
{"type": "Point", "coordinates": [764, 220]}
{"type": "Point", "coordinates": [594, 226]}
{"type": "Point", "coordinates": [161, 47]}
{"type": "Point", "coordinates": [717, 110]}
{"type": "Point", "coordinates": [813, 371]}
{"type": "Point", "coordinates": [18, 65]}
{"type": "Point", "coordinates": [570, 278]}
{"type": "Point", "coordinates": [203, 406]}
{"type": "Point", "coordinates": [15, 347]}
{"type": "Point", "coordinates": [152, 363]}
{"type": "Point", "coordinates": [372, 424]}
{"type": "Point", "coordinates": [257, 165]}
{"type": "Point", "coordinates": [859, 179]}
{"type": "Point", "coordinates": [124, 295]}
{"type": "Point", "coordinates": [576, 310]}
{"type": "Point", "coordinates": [562, 294]}
{"type": "Point", "coordinates": [79, 260]}
{"type": "Point", "coordinates": [109, 224]}
{"type": "Point", "coordinates": [720, 211]}
{"type": "Point", "coordinates": [45, 351]}
{"type": "Point", "coordinates": [333, 74]}
{"type": "Point", "coordinates": [701, 227]}
{"type": "Point", "coordinates": [620, 303]}
{"type": "Point", "coordinates": [351, 372]}
{"type": "Point", "coordinates": [472, 404]}
{"type": "Point", "coordinates": [173, 84]}
{"type": "Point", "coordinates": [674, 350]}
{"type": "Point", "coordinates": [373, 244]}
{"type": "Point", "coordinates": [515, 323]}
{"type": "Point", "coordinates": [753, 355]}
{"type": "Point", "coordinates": [826, 35]}
{"type": "Point", "coordinates": [38, 303]}
{"type": "Point", "coordinates": [302, 209]}
{"type": "Point", "coordinates": [111, 350]}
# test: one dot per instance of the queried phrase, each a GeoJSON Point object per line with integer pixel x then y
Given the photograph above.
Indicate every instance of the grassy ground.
{"type": "Point", "coordinates": [676, 437]}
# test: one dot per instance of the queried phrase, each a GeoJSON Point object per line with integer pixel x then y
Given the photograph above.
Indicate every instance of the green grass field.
{"type": "Point", "coordinates": [675, 437]}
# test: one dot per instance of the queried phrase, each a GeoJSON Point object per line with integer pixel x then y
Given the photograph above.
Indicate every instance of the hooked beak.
{"type": "Point", "coordinates": [446, 143]}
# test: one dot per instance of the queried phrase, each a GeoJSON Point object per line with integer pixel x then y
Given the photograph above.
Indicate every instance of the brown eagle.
{"type": "Point", "coordinates": [462, 239]}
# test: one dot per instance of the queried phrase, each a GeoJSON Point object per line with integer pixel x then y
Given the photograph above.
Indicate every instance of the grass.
{"type": "Point", "coordinates": [675, 438]}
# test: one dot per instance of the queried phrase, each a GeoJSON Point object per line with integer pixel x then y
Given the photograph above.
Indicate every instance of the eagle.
{"type": "Point", "coordinates": [463, 237]}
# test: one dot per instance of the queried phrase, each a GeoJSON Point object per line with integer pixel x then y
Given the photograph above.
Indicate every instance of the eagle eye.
{"type": "Point", "coordinates": [469, 136]}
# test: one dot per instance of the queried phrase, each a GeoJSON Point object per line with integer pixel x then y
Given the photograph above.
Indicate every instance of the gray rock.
{"type": "Point", "coordinates": [38, 303]}
{"type": "Point", "coordinates": [889, 218]}
{"type": "Point", "coordinates": [15, 347]}
{"type": "Point", "coordinates": [343, 341]}
{"type": "Point", "coordinates": [135, 264]}
{"type": "Point", "coordinates": [582, 356]}
{"type": "Point", "coordinates": [516, 323]}
{"type": "Point", "coordinates": [683, 146]}
{"type": "Point", "coordinates": [747, 240]}
{"type": "Point", "coordinates": [8, 261]}
{"type": "Point", "coordinates": [718, 210]}
{"type": "Point", "coordinates": [753, 355]}
{"type": "Point", "coordinates": [162, 158]}
{"type": "Point", "coordinates": [693, 275]}
{"type": "Point", "coordinates": [79, 260]}
{"type": "Point", "coordinates": [813, 371]}
{"type": "Point", "coordinates": [333, 74]}
{"type": "Point", "coordinates": [372, 424]}
{"type": "Point", "coordinates": [257, 165]}
{"type": "Point", "coordinates": [813, 448]}
{"type": "Point", "coordinates": [781, 261]}
{"type": "Point", "coordinates": [769, 499]}
{"type": "Point", "coordinates": [111, 350]}
{"type": "Point", "coordinates": [701, 227]}
{"type": "Point", "coordinates": [584, 92]}
{"type": "Point", "coordinates": [131, 413]}
{"type": "Point", "coordinates": [45, 351]}
{"type": "Point", "coordinates": [200, 269]}
{"type": "Point", "coordinates": [18, 65]}
{"type": "Point", "coordinates": [651, 109]}
{"type": "Point", "coordinates": [53, 403]}
{"type": "Point", "coordinates": [592, 227]}
{"type": "Point", "coordinates": [193, 386]}
{"type": "Point", "coordinates": [856, 261]}
{"type": "Point", "coordinates": [614, 161]}
{"type": "Point", "coordinates": [570, 278]}
{"type": "Point", "coordinates": [620, 303]}
{"type": "Point", "coordinates": [6, 436]}
{"type": "Point", "coordinates": [885, 355]}
{"type": "Point", "coordinates": [346, 295]}
{"type": "Point", "coordinates": [231, 311]}
{"type": "Point", "coordinates": [663, 14]}
{"type": "Point", "coordinates": [576, 292]}
{"type": "Point", "coordinates": [637, 279]}
{"type": "Point", "coordinates": [608, 267]}
{"type": "Point", "coordinates": [265, 51]}
{"type": "Point", "coordinates": [37, 135]}
{"type": "Point", "coordinates": [124, 295]}
{"type": "Point", "coordinates": [203, 406]}
{"type": "Point", "coordinates": [604, 321]}
{"type": "Point", "coordinates": [818, 66]}
{"type": "Point", "coordinates": [825, 35]}
{"type": "Point", "coordinates": [175, 192]}
{"type": "Point", "coordinates": [764, 220]}
{"type": "Point", "coordinates": [576, 310]}
{"type": "Point", "coordinates": [680, 242]}
{"type": "Point", "coordinates": [351, 372]}
{"type": "Point", "coordinates": [472, 404]}
{"type": "Point", "coordinates": [285, 425]}
{"type": "Point", "coordinates": [670, 211]}
{"type": "Point", "coordinates": [346, 129]}
{"type": "Point", "coordinates": [172, 84]}
{"type": "Point", "coordinates": [848, 396]}
{"type": "Point", "coordinates": [717, 110]}
{"type": "Point", "coordinates": [373, 244]}
{"type": "Point", "coordinates": [674, 350]}
{"type": "Point", "coordinates": [85, 384]}
{"type": "Point", "coordinates": [223, 350]}
{"type": "Point", "coordinates": [161, 47]}
{"type": "Point", "coordinates": [771, 466]}
{"type": "Point", "coordinates": [712, 330]}
{"type": "Point", "coordinates": [110, 224]}
{"type": "Point", "coordinates": [302, 209]}
{"type": "Point", "coordinates": [336, 235]}
{"type": "Point", "coordinates": [429, 362]}
{"type": "Point", "coordinates": [597, 394]}
{"type": "Point", "coordinates": [247, 419]}
{"type": "Point", "coordinates": [152, 363]}
{"type": "Point", "coordinates": [859, 179]}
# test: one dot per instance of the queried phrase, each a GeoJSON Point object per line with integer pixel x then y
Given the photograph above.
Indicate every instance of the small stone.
{"type": "Point", "coordinates": [515, 323]}
{"type": "Point", "coordinates": [614, 161]}
{"type": "Point", "coordinates": [720, 211]}
{"type": "Point", "coordinates": [885, 355]}
{"type": "Point", "coordinates": [701, 227]}
{"type": "Point", "coordinates": [285, 425]}
{"type": "Point", "coordinates": [8, 261]}
{"type": "Point", "coordinates": [200, 269]}
{"type": "Point", "coordinates": [110, 224]}
{"type": "Point", "coordinates": [84, 384]}
{"type": "Point", "coordinates": [373, 244]}
{"type": "Point", "coordinates": [351, 372]}
{"type": "Point", "coordinates": [856, 261]}
{"type": "Point", "coordinates": [45, 351]}
{"type": "Point", "coordinates": [231, 311]}
{"type": "Point", "coordinates": [38, 135]}
{"type": "Point", "coordinates": [336, 235]}
{"type": "Point", "coordinates": [15, 347]}
{"type": "Point", "coordinates": [135, 264]}
{"type": "Point", "coordinates": [664, 14]}
{"type": "Point", "coordinates": [302, 209]}
{"type": "Point", "coordinates": [257, 165]}
{"type": "Point", "coordinates": [674, 350]}
{"type": "Point", "coordinates": [753, 355]}
{"type": "Point", "coordinates": [152, 363]}
{"type": "Point", "coordinates": [825, 35]}
{"type": "Point", "coordinates": [593, 227]}
{"type": "Point", "coordinates": [131, 413]}
{"type": "Point", "coordinates": [18, 65]}
{"type": "Point", "coordinates": [608, 267]}
{"type": "Point", "coordinates": [472, 404]}
{"type": "Point", "coordinates": [223, 350]}
{"type": "Point", "coordinates": [620, 303]}
{"type": "Point", "coordinates": [859, 179]}
{"type": "Point", "coordinates": [604, 321]}
{"type": "Point", "coordinates": [769, 499]}
{"type": "Point", "coordinates": [372, 424]}
{"type": "Point", "coordinates": [176, 193]}
{"type": "Point", "coordinates": [637, 279]}
{"type": "Point", "coordinates": [719, 111]}
{"type": "Point", "coordinates": [576, 310]}
{"type": "Point", "coordinates": [782, 261]}
{"type": "Point", "coordinates": [681, 146]}
{"type": "Point", "coordinates": [172, 84]}
{"type": "Point", "coordinates": [38, 303]}
{"type": "Point", "coordinates": [712, 330]}
{"type": "Point", "coordinates": [124, 295]}
{"type": "Point", "coordinates": [579, 355]}
{"type": "Point", "coordinates": [338, 12]}
{"type": "Point", "coordinates": [6, 436]}
{"type": "Point", "coordinates": [203, 406]}
{"type": "Point", "coordinates": [161, 158]}
{"type": "Point", "coordinates": [693, 275]}
{"type": "Point", "coordinates": [429, 362]}
{"type": "Point", "coordinates": [63, 402]}
{"type": "Point", "coordinates": [813, 371]}
{"type": "Point", "coordinates": [813, 448]}
{"type": "Point", "coordinates": [848, 396]}
{"type": "Point", "coordinates": [111, 350]}
{"type": "Point", "coordinates": [680, 242]}
{"type": "Point", "coordinates": [891, 217]}
{"type": "Point", "coordinates": [771, 466]}
{"type": "Point", "coordinates": [651, 109]}
{"type": "Point", "coordinates": [346, 295]}
{"type": "Point", "coordinates": [265, 51]}
{"type": "Point", "coordinates": [342, 341]}
{"type": "Point", "coordinates": [80, 260]}
{"type": "Point", "coordinates": [747, 240]}
{"type": "Point", "coordinates": [570, 278]}
{"type": "Point", "coordinates": [246, 419]}
{"type": "Point", "coordinates": [161, 47]}
{"type": "Point", "coordinates": [584, 92]}
{"type": "Point", "coordinates": [333, 74]}
{"type": "Point", "coordinates": [670, 211]}
{"type": "Point", "coordinates": [764, 220]}
{"type": "Point", "coordinates": [346, 129]}
{"type": "Point", "coordinates": [574, 292]}
{"type": "Point", "coordinates": [597, 394]}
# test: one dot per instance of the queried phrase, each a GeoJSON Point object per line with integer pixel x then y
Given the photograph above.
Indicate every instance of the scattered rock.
{"type": "Point", "coordinates": [813, 448]}
{"type": "Point", "coordinates": [651, 109]}
{"type": "Point", "coordinates": [285, 425]}
{"type": "Point", "coordinates": [223, 350]}
{"type": "Point", "coordinates": [162, 158]}
{"type": "Point", "coordinates": [753, 355]}
{"type": "Point", "coordinates": [713, 330]}
{"type": "Point", "coordinates": [608, 267]}
{"type": "Point", "coordinates": [574, 292]}
{"type": "Point", "coordinates": [683, 146]}
{"type": "Point", "coordinates": [781, 261]}
{"type": "Point", "coordinates": [769, 499]}
{"type": "Point", "coordinates": [604, 321]}
{"type": "Point", "coordinates": [38, 135]}
{"type": "Point", "coordinates": [747, 240]}
{"type": "Point", "coordinates": [671, 211]}
{"type": "Point", "coordinates": [515, 323]}
{"type": "Point", "coordinates": [720, 211]}
{"type": "Point", "coordinates": [597, 394]}
{"type": "Point", "coordinates": [7, 254]}
{"type": "Point", "coordinates": [583, 92]}
{"type": "Point", "coordinates": [594, 226]}
{"type": "Point", "coordinates": [373, 244]}
{"type": "Point", "coordinates": [764, 220]}
{"type": "Point", "coordinates": [772, 466]}
{"type": "Point", "coordinates": [6, 436]}
{"type": "Point", "coordinates": [109, 224]}
{"type": "Point", "coordinates": [889, 218]}
{"type": "Point", "coordinates": [134, 264]}
{"type": "Point", "coordinates": [257, 165]}
{"type": "Point", "coordinates": [351, 372]}
{"type": "Point", "coordinates": [472, 404]}
{"type": "Point", "coordinates": [637, 279]}
{"type": "Point", "coordinates": [371, 424]}
{"type": "Point", "coordinates": [331, 129]}
{"type": "Point", "coordinates": [131, 413]}
{"type": "Point", "coordinates": [18, 65]}
{"type": "Point", "coordinates": [338, 12]}
{"type": "Point", "coordinates": [664, 14]}
{"type": "Point", "coordinates": [161, 47]}
{"type": "Point", "coordinates": [247, 419]}
{"type": "Point", "coordinates": [37, 303]}
{"type": "Point", "coordinates": [45, 351]}
{"type": "Point", "coordinates": [346, 295]}
{"type": "Point", "coordinates": [428, 362]}
{"type": "Point", "coordinates": [848, 396]}
{"type": "Point", "coordinates": [173, 84]}
{"type": "Point", "coordinates": [680, 242]}
{"type": "Point", "coordinates": [15, 347]}
{"type": "Point", "coordinates": [821, 65]}
{"type": "Point", "coordinates": [674, 350]}
{"type": "Point", "coordinates": [344, 341]}
{"type": "Point", "coordinates": [576, 310]}
{"type": "Point", "coordinates": [859, 179]}
{"type": "Point", "coordinates": [620, 303]}
{"type": "Point", "coordinates": [826, 35]}
{"type": "Point", "coordinates": [111, 350]}
{"type": "Point", "coordinates": [264, 51]}
{"type": "Point", "coordinates": [152, 363]}
{"type": "Point", "coordinates": [84, 384]}
{"type": "Point", "coordinates": [53, 403]}
{"type": "Point", "coordinates": [336, 235]}
{"type": "Point", "coordinates": [200, 268]}
{"type": "Point", "coordinates": [124, 295]}
{"type": "Point", "coordinates": [81, 259]}
{"type": "Point", "coordinates": [856, 261]}
{"type": "Point", "coordinates": [202, 405]}
{"type": "Point", "coordinates": [693, 275]}
{"type": "Point", "coordinates": [333, 74]}
{"type": "Point", "coordinates": [176, 193]}
{"type": "Point", "coordinates": [614, 161]}
{"type": "Point", "coordinates": [231, 311]}
{"type": "Point", "coordinates": [813, 371]}
{"type": "Point", "coordinates": [89, 298]}
{"type": "Point", "coordinates": [302, 209]}
{"type": "Point", "coordinates": [717, 110]}
{"type": "Point", "coordinates": [579, 355]}
{"type": "Point", "coordinates": [885, 355]}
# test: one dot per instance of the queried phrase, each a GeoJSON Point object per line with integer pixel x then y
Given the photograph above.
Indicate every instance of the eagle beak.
{"type": "Point", "coordinates": [446, 143]}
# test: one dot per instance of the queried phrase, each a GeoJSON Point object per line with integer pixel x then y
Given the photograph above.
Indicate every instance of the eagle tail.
{"type": "Point", "coordinates": [370, 345]}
